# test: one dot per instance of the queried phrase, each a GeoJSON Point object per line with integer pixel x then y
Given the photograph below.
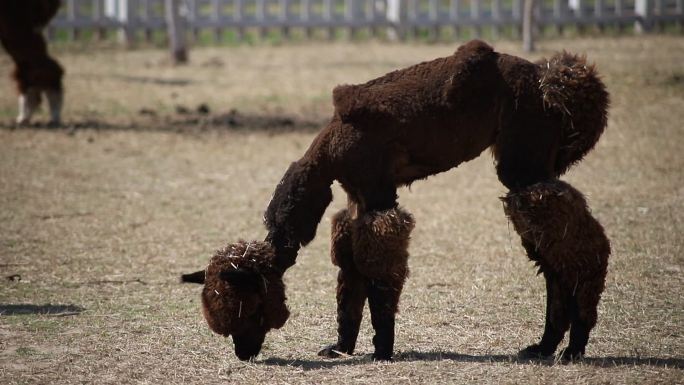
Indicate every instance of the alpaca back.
{"type": "Point", "coordinates": [572, 88]}
{"type": "Point", "coordinates": [459, 81]}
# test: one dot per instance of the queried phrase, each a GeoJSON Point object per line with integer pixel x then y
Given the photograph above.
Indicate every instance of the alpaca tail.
{"type": "Point", "coordinates": [572, 88]}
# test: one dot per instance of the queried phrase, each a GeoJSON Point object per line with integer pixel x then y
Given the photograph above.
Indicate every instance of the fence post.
{"type": "Point", "coordinates": [100, 31]}
{"type": "Point", "coordinates": [599, 12]}
{"type": "Point", "coordinates": [528, 26]}
{"type": "Point", "coordinates": [349, 17]}
{"type": "Point", "coordinates": [284, 16]}
{"type": "Point", "coordinates": [191, 14]}
{"type": "Point", "coordinates": [120, 11]}
{"type": "Point", "coordinates": [216, 14]}
{"type": "Point", "coordinates": [496, 18]}
{"type": "Point", "coordinates": [126, 15]}
{"type": "Point", "coordinates": [560, 11]}
{"type": "Point", "coordinates": [454, 11]}
{"type": "Point", "coordinates": [658, 10]}
{"type": "Point", "coordinates": [261, 18]}
{"type": "Point", "coordinates": [518, 17]}
{"type": "Point", "coordinates": [396, 16]}
{"type": "Point", "coordinates": [175, 27]}
{"type": "Point", "coordinates": [238, 18]}
{"type": "Point", "coordinates": [642, 8]}
{"type": "Point", "coordinates": [433, 16]}
{"type": "Point", "coordinates": [72, 16]}
{"type": "Point", "coordinates": [305, 9]}
{"type": "Point", "coordinates": [475, 17]}
{"type": "Point", "coordinates": [147, 18]}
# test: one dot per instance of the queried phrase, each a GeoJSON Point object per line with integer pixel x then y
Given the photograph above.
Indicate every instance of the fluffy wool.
{"type": "Point", "coordinates": [242, 287]}
{"type": "Point", "coordinates": [571, 249]}
{"type": "Point", "coordinates": [538, 119]}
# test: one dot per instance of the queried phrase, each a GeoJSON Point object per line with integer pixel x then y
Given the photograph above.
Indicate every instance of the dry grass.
{"type": "Point", "coordinates": [105, 220]}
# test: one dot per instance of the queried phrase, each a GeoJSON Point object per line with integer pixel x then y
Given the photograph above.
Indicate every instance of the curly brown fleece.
{"type": "Point", "coordinates": [537, 118]}
{"type": "Point", "coordinates": [380, 243]}
{"type": "Point", "coordinates": [229, 304]}
{"type": "Point", "coordinates": [571, 249]}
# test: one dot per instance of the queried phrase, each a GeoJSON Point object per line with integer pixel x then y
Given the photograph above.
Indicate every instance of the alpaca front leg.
{"type": "Point", "coordinates": [556, 323]}
{"type": "Point", "coordinates": [383, 301]}
{"type": "Point", "coordinates": [579, 336]}
{"type": "Point", "coordinates": [583, 317]}
{"type": "Point", "coordinates": [351, 288]}
{"type": "Point", "coordinates": [571, 248]}
{"type": "Point", "coordinates": [351, 296]}
{"type": "Point", "coordinates": [380, 243]}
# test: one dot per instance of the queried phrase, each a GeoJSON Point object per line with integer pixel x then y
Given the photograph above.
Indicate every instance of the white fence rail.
{"type": "Point", "coordinates": [134, 19]}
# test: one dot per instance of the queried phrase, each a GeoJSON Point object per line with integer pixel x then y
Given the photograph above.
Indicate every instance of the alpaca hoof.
{"type": "Point", "coordinates": [54, 124]}
{"type": "Point", "coordinates": [534, 351]}
{"type": "Point", "coordinates": [382, 357]}
{"type": "Point", "coordinates": [571, 355]}
{"type": "Point", "coordinates": [333, 351]}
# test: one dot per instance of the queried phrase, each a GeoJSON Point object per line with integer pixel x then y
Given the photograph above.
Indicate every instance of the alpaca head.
{"type": "Point", "coordinates": [243, 295]}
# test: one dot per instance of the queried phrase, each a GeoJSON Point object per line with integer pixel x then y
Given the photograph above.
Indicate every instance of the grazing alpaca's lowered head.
{"type": "Point", "coordinates": [243, 295]}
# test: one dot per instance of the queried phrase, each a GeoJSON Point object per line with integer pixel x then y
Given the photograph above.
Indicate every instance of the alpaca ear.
{"type": "Point", "coordinates": [239, 277]}
{"type": "Point", "coordinates": [196, 277]}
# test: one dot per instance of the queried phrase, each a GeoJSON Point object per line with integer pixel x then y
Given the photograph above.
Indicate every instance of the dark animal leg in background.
{"type": "Point", "coordinates": [36, 72]}
{"type": "Point", "coordinates": [557, 320]}
{"type": "Point", "coordinates": [351, 296]}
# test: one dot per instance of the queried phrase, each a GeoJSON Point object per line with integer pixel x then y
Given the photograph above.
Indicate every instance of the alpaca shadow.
{"type": "Point", "coordinates": [410, 356]}
{"type": "Point", "coordinates": [603, 362]}
{"type": "Point", "coordinates": [153, 80]}
{"type": "Point", "coordinates": [146, 80]}
{"type": "Point", "coordinates": [190, 123]}
{"type": "Point", "coordinates": [47, 309]}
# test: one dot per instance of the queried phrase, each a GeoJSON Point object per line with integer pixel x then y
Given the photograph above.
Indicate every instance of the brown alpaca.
{"type": "Point", "coordinates": [538, 118]}
{"type": "Point", "coordinates": [21, 25]}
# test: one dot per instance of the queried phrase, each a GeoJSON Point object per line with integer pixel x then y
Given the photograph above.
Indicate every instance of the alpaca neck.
{"type": "Point", "coordinates": [298, 203]}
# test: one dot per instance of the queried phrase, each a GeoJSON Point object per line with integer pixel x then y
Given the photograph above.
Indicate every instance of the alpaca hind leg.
{"type": "Point", "coordinates": [380, 243]}
{"type": "Point", "coordinates": [583, 319]}
{"type": "Point", "coordinates": [556, 323]}
{"type": "Point", "coordinates": [351, 289]}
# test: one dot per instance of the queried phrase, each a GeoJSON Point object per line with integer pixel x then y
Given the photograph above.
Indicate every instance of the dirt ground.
{"type": "Point", "coordinates": [158, 166]}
